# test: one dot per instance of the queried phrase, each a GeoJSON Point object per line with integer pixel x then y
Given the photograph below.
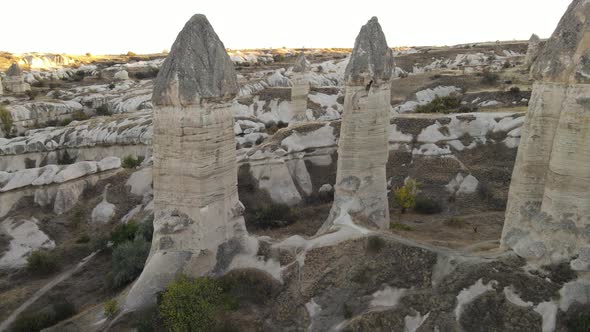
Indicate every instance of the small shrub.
{"type": "Point", "coordinates": [405, 196]}
{"type": "Point", "coordinates": [440, 105]}
{"type": "Point", "coordinates": [273, 215]}
{"type": "Point", "coordinates": [80, 116]}
{"type": "Point", "coordinates": [489, 77]}
{"type": "Point", "coordinates": [455, 222]}
{"type": "Point", "coordinates": [99, 242]}
{"type": "Point", "coordinates": [77, 217]}
{"type": "Point", "coordinates": [46, 317]}
{"type": "Point", "coordinates": [279, 58]}
{"type": "Point", "coordinates": [128, 259]}
{"type": "Point", "coordinates": [124, 232]}
{"type": "Point", "coordinates": [111, 307]}
{"type": "Point", "coordinates": [514, 90]}
{"type": "Point", "coordinates": [425, 205]}
{"type": "Point", "coordinates": [83, 239]}
{"type": "Point", "coordinates": [132, 162]}
{"type": "Point", "coordinates": [5, 120]}
{"type": "Point", "coordinates": [131, 53]}
{"type": "Point", "coordinates": [375, 244]}
{"type": "Point", "coordinates": [111, 87]}
{"type": "Point", "coordinates": [66, 122]}
{"type": "Point", "coordinates": [506, 65]}
{"type": "Point", "coordinates": [103, 110]}
{"type": "Point", "coordinates": [193, 304]}
{"type": "Point", "coordinates": [41, 263]}
{"type": "Point", "coordinates": [400, 227]}
{"type": "Point", "coordinates": [38, 84]}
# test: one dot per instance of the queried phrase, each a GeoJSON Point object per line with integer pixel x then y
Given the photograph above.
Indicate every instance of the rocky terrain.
{"type": "Point", "coordinates": [276, 171]}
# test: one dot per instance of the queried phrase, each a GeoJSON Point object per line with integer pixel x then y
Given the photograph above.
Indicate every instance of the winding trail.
{"type": "Point", "coordinates": [63, 276]}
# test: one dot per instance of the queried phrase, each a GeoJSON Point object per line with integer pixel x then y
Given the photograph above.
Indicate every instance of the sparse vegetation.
{"type": "Point", "coordinates": [83, 239]}
{"type": "Point", "coordinates": [272, 128]}
{"type": "Point", "coordinates": [66, 122]}
{"type": "Point", "coordinates": [32, 94]}
{"type": "Point", "coordinates": [375, 244]}
{"type": "Point", "coordinates": [80, 116]}
{"type": "Point", "coordinates": [41, 263]}
{"type": "Point", "coordinates": [400, 227]}
{"type": "Point", "coordinates": [193, 304]}
{"type": "Point", "coordinates": [103, 110]}
{"type": "Point", "coordinates": [128, 259]}
{"type": "Point", "coordinates": [5, 120]}
{"type": "Point", "coordinates": [441, 105]}
{"type": "Point", "coordinates": [455, 222]}
{"type": "Point", "coordinates": [124, 232]}
{"type": "Point", "coordinates": [489, 77]}
{"type": "Point", "coordinates": [273, 215]}
{"type": "Point", "coordinates": [46, 317]}
{"type": "Point", "coordinates": [514, 90]}
{"type": "Point", "coordinates": [132, 162]}
{"type": "Point", "coordinates": [111, 307]}
{"type": "Point", "coordinates": [425, 205]}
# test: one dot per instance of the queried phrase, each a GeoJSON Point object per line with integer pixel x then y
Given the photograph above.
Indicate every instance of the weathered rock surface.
{"type": "Point", "coordinates": [198, 217]}
{"type": "Point", "coordinates": [104, 211]}
{"type": "Point", "coordinates": [361, 184]}
{"type": "Point", "coordinates": [533, 50]}
{"type": "Point", "coordinates": [197, 68]}
{"type": "Point", "coordinates": [15, 81]}
{"type": "Point", "coordinates": [548, 213]}
{"type": "Point", "coordinates": [25, 237]}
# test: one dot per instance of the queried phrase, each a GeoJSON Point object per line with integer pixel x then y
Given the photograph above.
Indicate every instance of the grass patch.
{"type": "Point", "coordinates": [46, 317]}
{"type": "Point", "coordinates": [111, 307]}
{"type": "Point", "coordinates": [394, 226]}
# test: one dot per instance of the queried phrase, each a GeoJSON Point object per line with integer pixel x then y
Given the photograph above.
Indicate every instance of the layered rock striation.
{"type": "Point", "coordinates": [361, 186]}
{"type": "Point", "coordinates": [198, 217]}
{"type": "Point", "coordinates": [548, 212]}
{"type": "Point", "coordinates": [300, 88]}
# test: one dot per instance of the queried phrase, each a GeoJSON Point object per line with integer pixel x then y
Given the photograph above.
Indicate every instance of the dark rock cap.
{"type": "Point", "coordinates": [300, 63]}
{"type": "Point", "coordinates": [14, 70]}
{"type": "Point", "coordinates": [371, 59]}
{"type": "Point", "coordinates": [197, 68]}
{"type": "Point", "coordinates": [566, 55]}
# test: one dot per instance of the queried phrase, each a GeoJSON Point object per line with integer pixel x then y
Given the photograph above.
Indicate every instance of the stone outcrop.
{"type": "Point", "coordinates": [15, 80]}
{"type": "Point", "coordinates": [533, 50]}
{"type": "Point", "coordinates": [1, 87]}
{"type": "Point", "coordinates": [198, 217]}
{"type": "Point", "coordinates": [548, 212]}
{"type": "Point", "coordinates": [300, 88]}
{"type": "Point", "coordinates": [361, 186]}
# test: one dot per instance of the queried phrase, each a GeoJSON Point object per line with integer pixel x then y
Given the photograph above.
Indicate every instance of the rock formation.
{"type": "Point", "coordinates": [300, 88]}
{"type": "Point", "coordinates": [548, 212]}
{"type": "Point", "coordinates": [15, 80]}
{"type": "Point", "coordinates": [198, 217]}
{"type": "Point", "coordinates": [533, 50]}
{"type": "Point", "coordinates": [361, 186]}
{"type": "Point", "coordinates": [1, 88]}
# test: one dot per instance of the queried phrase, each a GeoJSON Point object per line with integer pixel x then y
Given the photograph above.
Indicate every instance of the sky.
{"type": "Point", "coordinates": [147, 26]}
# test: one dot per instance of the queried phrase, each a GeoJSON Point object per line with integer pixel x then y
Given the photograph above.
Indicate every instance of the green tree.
{"type": "Point", "coordinates": [405, 196]}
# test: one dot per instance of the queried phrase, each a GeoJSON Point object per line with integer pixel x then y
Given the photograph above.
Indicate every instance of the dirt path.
{"type": "Point", "coordinates": [63, 276]}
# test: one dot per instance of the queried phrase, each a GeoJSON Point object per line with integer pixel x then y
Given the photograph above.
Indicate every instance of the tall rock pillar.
{"type": "Point", "coordinates": [361, 187]}
{"type": "Point", "coordinates": [548, 212]}
{"type": "Point", "coordinates": [300, 88]}
{"type": "Point", "coordinates": [532, 51]}
{"type": "Point", "coordinates": [197, 213]}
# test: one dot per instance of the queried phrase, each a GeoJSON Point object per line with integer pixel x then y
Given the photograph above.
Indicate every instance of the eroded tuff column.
{"type": "Point", "coordinates": [15, 80]}
{"type": "Point", "coordinates": [300, 88]}
{"type": "Point", "coordinates": [198, 217]}
{"type": "Point", "coordinates": [533, 50]}
{"type": "Point", "coordinates": [548, 212]}
{"type": "Point", "coordinates": [361, 187]}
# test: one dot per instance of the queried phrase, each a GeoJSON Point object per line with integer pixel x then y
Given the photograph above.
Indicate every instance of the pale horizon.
{"type": "Point", "coordinates": [117, 27]}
